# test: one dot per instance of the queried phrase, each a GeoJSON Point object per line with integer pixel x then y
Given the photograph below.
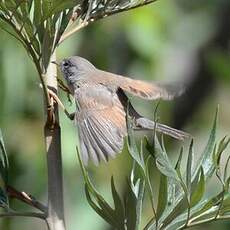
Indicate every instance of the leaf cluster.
{"type": "Point", "coordinates": [182, 199]}
{"type": "Point", "coordinates": [38, 25]}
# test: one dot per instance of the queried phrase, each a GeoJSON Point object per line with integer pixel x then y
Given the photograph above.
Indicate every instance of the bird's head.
{"type": "Point", "coordinates": [75, 68]}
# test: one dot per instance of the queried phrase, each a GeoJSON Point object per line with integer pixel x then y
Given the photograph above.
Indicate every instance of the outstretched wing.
{"type": "Point", "coordinates": [145, 90]}
{"type": "Point", "coordinates": [101, 122]}
{"type": "Point", "coordinates": [150, 91]}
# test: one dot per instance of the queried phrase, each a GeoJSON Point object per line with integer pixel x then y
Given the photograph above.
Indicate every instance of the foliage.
{"type": "Point", "coordinates": [3, 174]}
{"type": "Point", "coordinates": [40, 26]}
{"type": "Point", "coordinates": [182, 200]}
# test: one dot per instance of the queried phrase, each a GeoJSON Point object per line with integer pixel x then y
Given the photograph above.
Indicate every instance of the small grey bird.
{"type": "Point", "coordinates": [102, 105]}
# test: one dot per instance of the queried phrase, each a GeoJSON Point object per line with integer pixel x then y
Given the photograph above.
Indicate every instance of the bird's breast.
{"type": "Point", "coordinates": [94, 96]}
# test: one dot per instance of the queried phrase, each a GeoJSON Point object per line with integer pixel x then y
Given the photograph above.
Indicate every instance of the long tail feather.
{"type": "Point", "coordinates": [144, 123]}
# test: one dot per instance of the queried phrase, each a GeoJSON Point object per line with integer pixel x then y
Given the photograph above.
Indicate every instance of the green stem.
{"type": "Point", "coordinates": [52, 131]}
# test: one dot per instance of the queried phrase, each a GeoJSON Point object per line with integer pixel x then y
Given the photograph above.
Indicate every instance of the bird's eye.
{"type": "Point", "coordinates": [65, 64]}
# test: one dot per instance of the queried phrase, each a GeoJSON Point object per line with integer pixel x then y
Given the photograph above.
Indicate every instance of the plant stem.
{"type": "Point", "coordinates": [55, 214]}
{"type": "Point", "coordinates": [23, 214]}
{"type": "Point", "coordinates": [208, 220]}
{"type": "Point", "coordinates": [72, 31]}
{"type": "Point", "coordinates": [24, 197]}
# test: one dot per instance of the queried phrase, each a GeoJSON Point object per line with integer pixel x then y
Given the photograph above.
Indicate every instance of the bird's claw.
{"type": "Point", "coordinates": [58, 101]}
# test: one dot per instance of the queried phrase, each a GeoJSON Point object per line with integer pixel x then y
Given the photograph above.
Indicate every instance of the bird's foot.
{"type": "Point", "coordinates": [63, 87]}
{"type": "Point", "coordinates": [58, 101]}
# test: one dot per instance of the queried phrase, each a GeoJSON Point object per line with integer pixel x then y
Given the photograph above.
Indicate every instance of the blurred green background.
{"type": "Point", "coordinates": [166, 41]}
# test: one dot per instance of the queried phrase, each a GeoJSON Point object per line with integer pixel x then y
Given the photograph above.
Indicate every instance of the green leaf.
{"type": "Point", "coordinates": [5, 27]}
{"type": "Point", "coordinates": [4, 165]}
{"type": "Point", "coordinates": [178, 170]}
{"type": "Point", "coordinates": [97, 209]}
{"type": "Point", "coordinates": [130, 205]}
{"type": "Point", "coordinates": [119, 208]}
{"type": "Point", "coordinates": [63, 25]}
{"type": "Point", "coordinates": [148, 182]}
{"type": "Point", "coordinates": [132, 147]}
{"type": "Point", "coordinates": [209, 205]}
{"type": "Point", "coordinates": [47, 45]}
{"type": "Point", "coordinates": [178, 163]}
{"type": "Point", "coordinates": [198, 192]}
{"type": "Point", "coordinates": [218, 153]}
{"type": "Point", "coordinates": [189, 168]}
{"type": "Point", "coordinates": [171, 191]}
{"type": "Point", "coordinates": [163, 163]}
{"type": "Point", "coordinates": [97, 202]}
{"type": "Point", "coordinates": [133, 204]}
{"type": "Point", "coordinates": [225, 208]}
{"type": "Point", "coordinates": [205, 159]}
{"type": "Point", "coordinates": [226, 167]}
{"type": "Point", "coordinates": [52, 7]}
{"type": "Point", "coordinates": [162, 195]}
{"type": "Point", "coordinates": [140, 199]}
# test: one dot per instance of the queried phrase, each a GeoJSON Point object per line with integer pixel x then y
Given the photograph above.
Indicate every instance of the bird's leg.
{"type": "Point", "coordinates": [63, 86]}
{"type": "Point", "coordinates": [58, 101]}
{"type": "Point", "coordinates": [65, 89]}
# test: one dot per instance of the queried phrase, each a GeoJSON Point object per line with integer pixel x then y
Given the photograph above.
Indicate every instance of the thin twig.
{"type": "Point", "coordinates": [24, 197]}
{"type": "Point", "coordinates": [75, 29]}
{"type": "Point", "coordinates": [23, 214]}
{"type": "Point", "coordinates": [144, 3]}
{"type": "Point", "coordinates": [106, 14]}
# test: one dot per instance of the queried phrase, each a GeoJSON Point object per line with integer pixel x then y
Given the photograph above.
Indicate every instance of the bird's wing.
{"type": "Point", "coordinates": [146, 90]}
{"type": "Point", "coordinates": [101, 122]}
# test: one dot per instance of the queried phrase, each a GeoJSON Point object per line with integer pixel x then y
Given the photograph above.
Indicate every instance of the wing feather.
{"type": "Point", "coordinates": [139, 88]}
{"type": "Point", "coordinates": [101, 122]}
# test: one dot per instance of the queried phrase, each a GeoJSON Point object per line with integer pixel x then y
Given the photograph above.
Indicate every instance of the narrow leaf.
{"type": "Point", "coordinates": [205, 159]}
{"type": "Point", "coordinates": [119, 208]}
{"type": "Point", "coordinates": [99, 211]}
{"type": "Point", "coordinates": [132, 147]}
{"type": "Point", "coordinates": [189, 168]}
{"type": "Point", "coordinates": [162, 195]}
{"type": "Point", "coordinates": [198, 192]}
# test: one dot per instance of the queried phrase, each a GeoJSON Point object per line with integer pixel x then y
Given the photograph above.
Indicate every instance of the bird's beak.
{"type": "Point", "coordinates": [56, 63]}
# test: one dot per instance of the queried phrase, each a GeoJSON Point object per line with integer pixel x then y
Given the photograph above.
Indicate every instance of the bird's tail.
{"type": "Point", "coordinates": [144, 123]}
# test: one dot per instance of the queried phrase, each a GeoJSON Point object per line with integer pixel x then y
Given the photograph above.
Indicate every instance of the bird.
{"type": "Point", "coordinates": [102, 107]}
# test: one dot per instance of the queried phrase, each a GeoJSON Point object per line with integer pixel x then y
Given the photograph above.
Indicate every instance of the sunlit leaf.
{"type": "Point", "coordinates": [189, 168]}
{"type": "Point", "coordinates": [163, 163]}
{"type": "Point", "coordinates": [205, 159]}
